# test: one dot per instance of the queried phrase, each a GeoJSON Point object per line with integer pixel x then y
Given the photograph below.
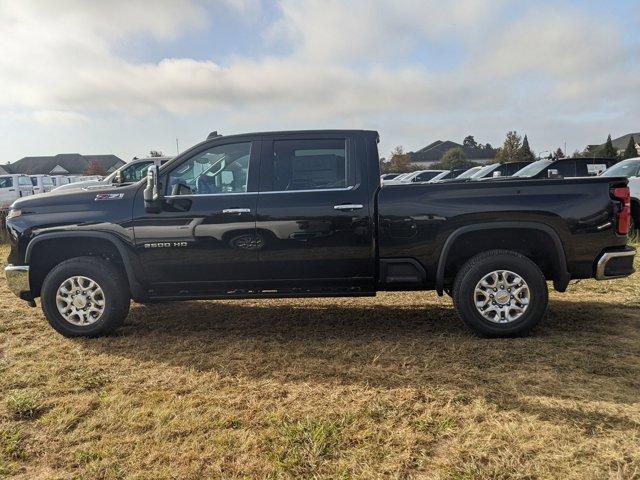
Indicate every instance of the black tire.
{"type": "Point", "coordinates": [109, 278]}
{"type": "Point", "coordinates": [481, 266]}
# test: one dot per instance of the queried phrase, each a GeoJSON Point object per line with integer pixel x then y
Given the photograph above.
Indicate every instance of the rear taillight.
{"type": "Point", "coordinates": [624, 215]}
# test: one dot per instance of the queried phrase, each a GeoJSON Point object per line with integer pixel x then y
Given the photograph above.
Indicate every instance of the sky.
{"type": "Point", "coordinates": [127, 76]}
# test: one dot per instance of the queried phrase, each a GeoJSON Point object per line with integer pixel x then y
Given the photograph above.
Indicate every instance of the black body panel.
{"type": "Point", "coordinates": [298, 218]}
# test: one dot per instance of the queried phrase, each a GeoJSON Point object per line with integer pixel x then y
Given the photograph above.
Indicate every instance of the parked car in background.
{"type": "Point", "coordinates": [421, 176]}
{"type": "Point", "coordinates": [467, 173]}
{"type": "Point", "coordinates": [630, 169]}
{"type": "Point", "coordinates": [13, 187]}
{"type": "Point", "coordinates": [59, 180]}
{"type": "Point", "coordinates": [388, 176]}
{"type": "Point", "coordinates": [397, 178]}
{"type": "Point", "coordinates": [131, 172]}
{"type": "Point", "coordinates": [41, 183]}
{"type": "Point", "coordinates": [565, 168]}
{"type": "Point", "coordinates": [449, 174]}
{"type": "Point", "coordinates": [496, 170]}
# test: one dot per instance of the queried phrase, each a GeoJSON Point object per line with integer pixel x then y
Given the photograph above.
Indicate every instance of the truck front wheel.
{"type": "Point", "coordinates": [500, 293]}
{"type": "Point", "coordinates": [85, 297]}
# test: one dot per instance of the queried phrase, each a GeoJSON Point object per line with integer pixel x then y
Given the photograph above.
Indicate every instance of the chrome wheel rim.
{"type": "Point", "coordinates": [80, 301]}
{"type": "Point", "coordinates": [502, 296]}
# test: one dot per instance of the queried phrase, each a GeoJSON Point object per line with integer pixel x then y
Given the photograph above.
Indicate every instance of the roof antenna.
{"type": "Point", "coordinates": [213, 134]}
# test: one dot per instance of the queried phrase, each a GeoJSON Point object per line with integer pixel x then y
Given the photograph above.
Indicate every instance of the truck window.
{"type": "Point", "coordinates": [308, 164]}
{"type": "Point", "coordinates": [24, 182]}
{"type": "Point", "coordinates": [47, 181]}
{"type": "Point", "coordinates": [34, 181]}
{"type": "Point", "coordinates": [566, 168]}
{"type": "Point", "coordinates": [135, 173]}
{"type": "Point", "coordinates": [6, 182]}
{"type": "Point", "coordinates": [221, 169]}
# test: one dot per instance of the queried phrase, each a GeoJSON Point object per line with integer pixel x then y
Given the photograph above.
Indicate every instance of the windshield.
{"type": "Point", "coordinates": [627, 168]}
{"type": "Point", "coordinates": [484, 171]}
{"type": "Point", "coordinates": [440, 176]}
{"type": "Point", "coordinates": [533, 169]}
{"type": "Point", "coordinates": [469, 172]}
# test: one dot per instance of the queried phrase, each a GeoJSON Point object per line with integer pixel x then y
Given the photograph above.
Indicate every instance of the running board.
{"type": "Point", "coordinates": [260, 293]}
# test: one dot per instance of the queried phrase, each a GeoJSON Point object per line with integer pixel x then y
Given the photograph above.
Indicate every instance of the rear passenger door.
{"type": "Point", "coordinates": [313, 214]}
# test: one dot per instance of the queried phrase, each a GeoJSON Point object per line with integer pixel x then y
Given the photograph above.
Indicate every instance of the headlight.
{"type": "Point", "coordinates": [13, 213]}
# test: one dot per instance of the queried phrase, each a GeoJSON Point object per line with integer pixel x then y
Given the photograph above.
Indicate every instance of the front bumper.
{"type": "Point", "coordinates": [18, 281]}
{"type": "Point", "coordinates": [615, 264]}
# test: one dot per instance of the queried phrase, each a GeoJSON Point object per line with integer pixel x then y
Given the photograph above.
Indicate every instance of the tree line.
{"type": "Point", "coordinates": [515, 148]}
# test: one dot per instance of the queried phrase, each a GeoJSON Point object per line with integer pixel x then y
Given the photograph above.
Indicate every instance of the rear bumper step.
{"type": "Point", "coordinates": [615, 264]}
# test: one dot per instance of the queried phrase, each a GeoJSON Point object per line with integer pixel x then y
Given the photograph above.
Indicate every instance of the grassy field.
{"type": "Point", "coordinates": [386, 387]}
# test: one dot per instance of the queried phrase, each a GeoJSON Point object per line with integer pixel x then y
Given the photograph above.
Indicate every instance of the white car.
{"type": "Point", "coordinates": [13, 187]}
{"type": "Point", "coordinates": [41, 183]}
{"type": "Point", "coordinates": [397, 179]}
{"type": "Point", "coordinates": [421, 176]}
{"type": "Point", "coordinates": [131, 172]}
{"type": "Point", "coordinates": [629, 168]}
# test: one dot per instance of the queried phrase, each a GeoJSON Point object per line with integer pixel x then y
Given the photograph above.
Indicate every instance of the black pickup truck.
{"type": "Point", "coordinates": [302, 214]}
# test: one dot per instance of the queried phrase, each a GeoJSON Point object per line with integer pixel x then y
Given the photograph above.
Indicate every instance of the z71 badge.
{"type": "Point", "coordinates": [109, 196]}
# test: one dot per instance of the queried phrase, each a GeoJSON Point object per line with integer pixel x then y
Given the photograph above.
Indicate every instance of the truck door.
{"type": "Point", "coordinates": [314, 215]}
{"type": "Point", "coordinates": [205, 234]}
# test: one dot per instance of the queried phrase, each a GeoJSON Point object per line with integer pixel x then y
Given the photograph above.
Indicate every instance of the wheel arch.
{"type": "Point", "coordinates": [76, 244]}
{"type": "Point", "coordinates": [558, 269]}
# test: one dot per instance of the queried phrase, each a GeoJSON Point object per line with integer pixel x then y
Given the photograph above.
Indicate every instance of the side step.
{"type": "Point", "coordinates": [166, 294]}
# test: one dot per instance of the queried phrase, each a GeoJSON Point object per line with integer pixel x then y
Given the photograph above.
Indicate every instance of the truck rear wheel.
{"type": "Point", "coordinates": [500, 293]}
{"type": "Point", "coordinates": [85, 297]}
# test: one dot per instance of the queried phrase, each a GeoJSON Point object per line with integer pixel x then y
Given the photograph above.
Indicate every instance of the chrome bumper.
{"type": "Point", "coordinates": [615, 264]}
{"type": "Point", "coordinates": [18, 280]}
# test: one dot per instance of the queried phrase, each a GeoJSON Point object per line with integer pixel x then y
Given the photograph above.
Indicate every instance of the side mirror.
{"type": "Point", "coordinates": [119, 178]}
{"type": "Point", "coordinates": [152, 196]}
{"type": "Point", "coordinates": [553, 173]}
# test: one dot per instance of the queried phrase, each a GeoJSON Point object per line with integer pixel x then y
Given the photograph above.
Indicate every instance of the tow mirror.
{"type": "Point", "coordinates": [553, 173]}
{"type": "Point", "coordinates": [152, 196]}
{"type": "Point", "coordinates": [119, 178]}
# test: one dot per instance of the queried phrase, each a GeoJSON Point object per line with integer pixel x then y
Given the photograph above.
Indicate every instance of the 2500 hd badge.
{"type": "Point", "coordinates": [165, 245]}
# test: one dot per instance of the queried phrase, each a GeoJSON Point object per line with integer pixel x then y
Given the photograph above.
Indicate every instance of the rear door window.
{"type": "Point", "coordinates": [307, 164]}
{"type": "Point", "coordinates": [6, 182]}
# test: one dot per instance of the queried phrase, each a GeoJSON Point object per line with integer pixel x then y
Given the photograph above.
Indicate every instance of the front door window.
{"type": "Point", "coordinates": [221, 169]}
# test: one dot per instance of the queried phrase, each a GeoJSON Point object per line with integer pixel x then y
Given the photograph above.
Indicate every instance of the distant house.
{"type": "Point", "coordinates": [63, 164]}
{"type": "Point", "coordinates": [620, 143]}
{"type": "Point", "coordinates": [433, 153]}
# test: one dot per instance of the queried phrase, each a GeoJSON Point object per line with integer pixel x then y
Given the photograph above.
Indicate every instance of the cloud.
{"type": "Point", "coordinates": [358, 62]}
{"type": "Point", "coordinates": [374, 30]}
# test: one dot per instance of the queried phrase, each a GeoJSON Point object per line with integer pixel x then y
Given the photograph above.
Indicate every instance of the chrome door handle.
{"type": "Point", "coordinates": [236, 210]}
{"type": "Point", "coordinates": [350, 206]}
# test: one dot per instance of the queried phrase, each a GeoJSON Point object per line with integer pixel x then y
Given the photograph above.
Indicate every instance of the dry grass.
{"type": "Point", "coordinates": [386, 387]}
